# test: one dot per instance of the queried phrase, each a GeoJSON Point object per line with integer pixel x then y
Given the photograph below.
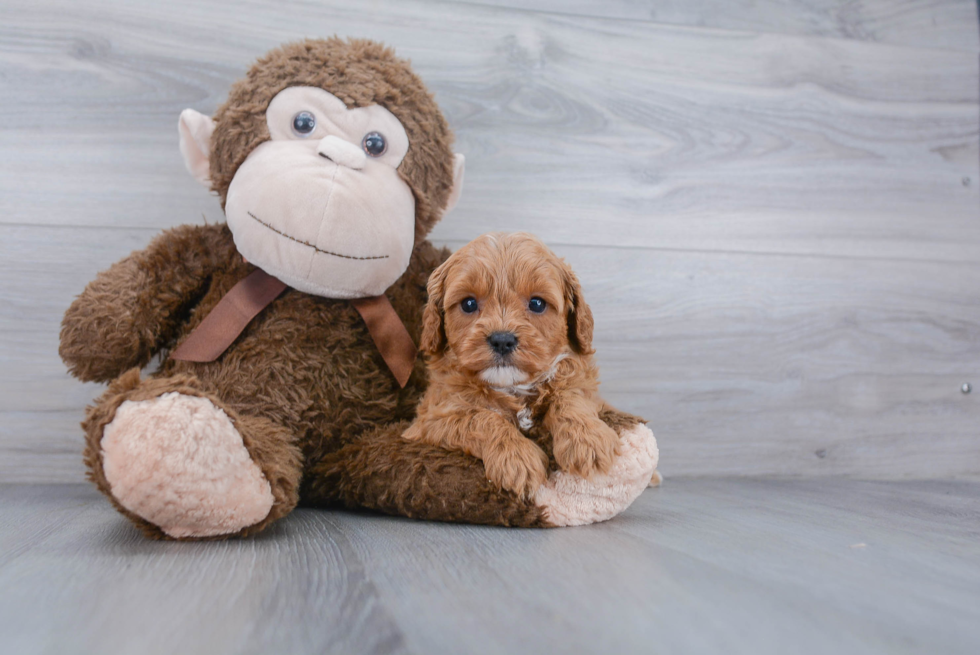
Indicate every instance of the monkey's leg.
{"type": "Point", "coordinates": [384, 472]}
{"type": "Point", "coordinates": [182, 465]}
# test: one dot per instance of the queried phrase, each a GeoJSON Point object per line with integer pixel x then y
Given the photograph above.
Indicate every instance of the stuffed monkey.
{"type": "Point", "coordinates": [287, 335]}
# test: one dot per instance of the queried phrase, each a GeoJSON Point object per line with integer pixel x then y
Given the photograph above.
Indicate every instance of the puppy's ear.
{"type": "Point", "coordinates": [580, 323]}
{"type": "Point", "coordinates": [433, 317]}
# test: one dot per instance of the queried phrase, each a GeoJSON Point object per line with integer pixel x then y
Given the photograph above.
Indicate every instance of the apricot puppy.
{"type": "Point", "coordinates": [509, 343]}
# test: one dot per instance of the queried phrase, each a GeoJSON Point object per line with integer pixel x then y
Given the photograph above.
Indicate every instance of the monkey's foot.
{"type": "Point", "coordinates": [572, 500]}
{"type": "Point", "coordinates": [178, 462]}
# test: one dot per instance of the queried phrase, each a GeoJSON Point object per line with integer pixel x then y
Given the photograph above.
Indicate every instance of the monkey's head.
{"type": "Point", "coordinates": [332, 160]}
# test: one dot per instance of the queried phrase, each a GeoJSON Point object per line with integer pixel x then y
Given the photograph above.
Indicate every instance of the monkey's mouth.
{"type": "Point", "coordinates": [308, 244]}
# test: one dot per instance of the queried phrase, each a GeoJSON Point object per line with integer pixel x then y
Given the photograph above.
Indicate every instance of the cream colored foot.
{"type": "Point", "coordinates": [178, 462]}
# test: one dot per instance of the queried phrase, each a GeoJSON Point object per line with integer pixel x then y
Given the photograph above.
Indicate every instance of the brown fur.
{"type": "Point", "coordinates": [361, 73]}
{"type": "Point", "coordinates": [272, 447]}
{"type": "Point", "coordinates": [304, 384]}
{"type": "Point", "coordinates": [388, 473]}
{"type": "Point", "coordinates": [305, 372]}
{"type": "Point", "coordinates": [465, 410]}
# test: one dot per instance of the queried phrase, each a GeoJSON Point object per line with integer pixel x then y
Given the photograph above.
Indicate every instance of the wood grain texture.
{"type": "Point", "coordinates": [945, 24]}
{"type": "Point", "coordinates": [116, 592]}
{"type": "Point", "coordinates": [697, 566]}
{"type": "Point", "coordinates": [589, 131]}
{"type": "Point", "coordinates": [777, 220]}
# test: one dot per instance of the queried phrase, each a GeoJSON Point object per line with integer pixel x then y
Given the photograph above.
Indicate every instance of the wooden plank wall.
{"type": "Point", "coordinates": [773, 205]}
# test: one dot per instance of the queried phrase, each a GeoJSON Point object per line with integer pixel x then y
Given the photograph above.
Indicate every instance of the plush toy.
{"type": "Point", "coordinates": [287, 336]}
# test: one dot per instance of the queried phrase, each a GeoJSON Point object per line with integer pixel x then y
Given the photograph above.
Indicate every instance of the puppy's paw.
{"type": "Point", "coordinates": [517, 465]}
{"type": "Point", "coordinates": [585, 448]}
{"type": "Point", "coordinates": [570, 500]}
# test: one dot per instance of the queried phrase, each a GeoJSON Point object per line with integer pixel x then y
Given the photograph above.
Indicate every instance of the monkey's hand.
{"type": "Point", "coordinates": [132, 310]}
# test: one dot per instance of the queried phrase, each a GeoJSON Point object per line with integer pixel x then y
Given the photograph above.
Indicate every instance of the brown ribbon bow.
{"type": "Point", "coordinates": [245, 300]}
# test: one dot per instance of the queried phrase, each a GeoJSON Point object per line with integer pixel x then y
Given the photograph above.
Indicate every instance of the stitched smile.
{"type": "Point", "coordinates": [310, 245]}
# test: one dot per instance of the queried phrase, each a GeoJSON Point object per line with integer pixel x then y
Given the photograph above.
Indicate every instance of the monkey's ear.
{"type": "Point", "coordinates": [459, 166]}
{"type": "Point", "coordinates": [195, 144]}
{"type": "Point", "coordinates": [580, 322]}
{"type": "Point", "coordinates": [433, 326]}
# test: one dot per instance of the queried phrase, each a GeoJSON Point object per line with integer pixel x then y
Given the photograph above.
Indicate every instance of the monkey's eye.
{"type": "Point", "coordinates": [304, 123]}
{"type": "Point", "coordinates": [374, 144]}
{"type": "Point", "coordinates": [537, 305]}
{"type": "Point", "coordinates": [469, 305]}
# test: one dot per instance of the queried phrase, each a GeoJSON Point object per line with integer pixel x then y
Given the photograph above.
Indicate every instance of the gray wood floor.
{"type": "Point", "coordinates": [697, 566]}
{"type": "Point", "coordinates": [774, 206]}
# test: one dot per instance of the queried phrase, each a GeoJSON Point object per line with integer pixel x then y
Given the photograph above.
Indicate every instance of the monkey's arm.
{"type": "Point", "coordinates": [386, 472]}
{"type": "Point", "coordinates": [132, 310]}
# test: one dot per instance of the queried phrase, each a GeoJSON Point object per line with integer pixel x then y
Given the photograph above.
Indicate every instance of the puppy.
{"type": "Point", "coordinates": [508, 338]}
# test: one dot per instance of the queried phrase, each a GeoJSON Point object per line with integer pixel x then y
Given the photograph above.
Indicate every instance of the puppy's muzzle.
{"type": "Point", "coordinates": [503, 343]}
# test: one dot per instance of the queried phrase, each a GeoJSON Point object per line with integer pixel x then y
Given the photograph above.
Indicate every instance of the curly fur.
{"type": "Point", "coordinates": [303, 380]}
{"type": "Point", "coordinates": [304, 383]}
{"type": "Point", "coordinates": [480, 401]}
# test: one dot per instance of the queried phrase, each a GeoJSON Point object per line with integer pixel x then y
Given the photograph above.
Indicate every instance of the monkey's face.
{"type": "Point", "coordinates": [321, 205]}
{"type": "Point", "coordinates": [329, 193]}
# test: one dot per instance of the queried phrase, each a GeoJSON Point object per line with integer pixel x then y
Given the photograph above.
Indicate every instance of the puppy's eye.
{"type": "Point", "coordinates": [537, 305]}
{"type": "Point", "coordinates": [469, 305]}
{"type": "Point", "coordinates": [304, 123]}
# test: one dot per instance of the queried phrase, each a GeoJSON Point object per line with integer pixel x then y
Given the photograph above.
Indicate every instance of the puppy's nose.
{"type": "Point", "coordinates": [503, 343]}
